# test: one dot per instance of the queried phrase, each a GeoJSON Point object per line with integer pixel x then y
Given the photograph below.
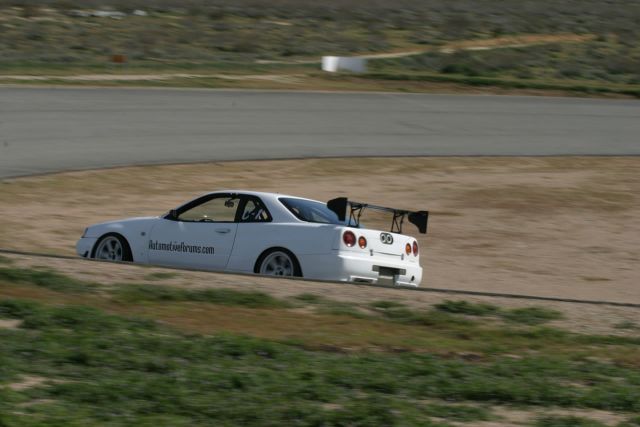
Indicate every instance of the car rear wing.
{"type": "Point", "coordinates": [341, 205]}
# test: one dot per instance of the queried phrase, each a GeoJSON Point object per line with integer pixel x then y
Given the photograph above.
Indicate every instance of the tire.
{"type": "Point", "coordinates": [112, 247]}
{"type": "Point", "coordinates": [278, 262]}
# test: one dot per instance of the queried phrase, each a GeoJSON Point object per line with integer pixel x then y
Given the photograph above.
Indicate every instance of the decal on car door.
{"type": "Point", "coordinates": [183, 247]}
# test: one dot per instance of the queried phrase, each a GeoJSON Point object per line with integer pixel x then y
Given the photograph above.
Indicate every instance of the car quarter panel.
{"type": "Point", "coordinates": [303, 239]}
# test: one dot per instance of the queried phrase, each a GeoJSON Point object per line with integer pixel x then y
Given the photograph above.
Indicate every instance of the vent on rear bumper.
{"type": "Point", "coordinates": [361, 280]}
{"type": "Point", "coordinates": [388, 275]}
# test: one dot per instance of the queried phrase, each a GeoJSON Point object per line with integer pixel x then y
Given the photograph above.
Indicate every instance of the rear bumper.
{"type": "Point", "coordinates": [347, 267]}
{"type": "Point", "coordinates": [85, 245]}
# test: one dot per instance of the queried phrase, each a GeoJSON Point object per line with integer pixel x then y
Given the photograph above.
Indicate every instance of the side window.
{"type": "Point", "coordinates": [310, 210]}
{"type": "Point", "coordinates": [254, 211]}
{"type": "Point", "coordinates": [219, 209]}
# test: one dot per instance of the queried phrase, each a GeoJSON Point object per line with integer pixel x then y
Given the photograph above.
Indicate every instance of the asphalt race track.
{"type": "Point", "coordinates": [53, 129]}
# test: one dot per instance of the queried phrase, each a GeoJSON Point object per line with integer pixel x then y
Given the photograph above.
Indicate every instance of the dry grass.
{"type": "Point", "coordinates": [577, 317]}
{"type": "Point", "coordinates": [306, 326]}
{"type": "Point", "coordinates": [319, 327]}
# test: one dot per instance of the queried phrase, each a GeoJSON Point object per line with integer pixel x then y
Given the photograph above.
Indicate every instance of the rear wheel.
{"type": "Point", "coordinates": [112, 247]}
{"type": "Point", "coordinates": [278, 262]}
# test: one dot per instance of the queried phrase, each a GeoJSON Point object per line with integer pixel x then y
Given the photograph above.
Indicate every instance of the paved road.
{"type": "Point", "coordinates": [50, 129]}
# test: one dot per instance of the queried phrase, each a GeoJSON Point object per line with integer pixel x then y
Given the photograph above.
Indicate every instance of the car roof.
{"type": "Point", "coordinates": [278, 211]}
{"type": "Point", "coordinates": [261, 194]}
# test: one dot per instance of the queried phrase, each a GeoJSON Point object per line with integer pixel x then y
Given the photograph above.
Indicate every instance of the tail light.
{"type": "Point", "coordinates": [349, 238]}
{"type": "Point", "coordinates": [407, 248]}
{"type": "Point", "coordinates": [415, 248]}
{"type": "Point", "coordinates": [362, 242]}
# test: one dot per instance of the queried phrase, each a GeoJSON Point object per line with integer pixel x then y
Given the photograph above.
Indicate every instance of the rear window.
{"type": "Point", "coordinates": [310, 211]}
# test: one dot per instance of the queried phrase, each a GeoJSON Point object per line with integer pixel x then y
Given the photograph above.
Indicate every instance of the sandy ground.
{"type": "Point", "coordinates": [560, 227]}
{"type": "Point", "coordinates": [10, 324]}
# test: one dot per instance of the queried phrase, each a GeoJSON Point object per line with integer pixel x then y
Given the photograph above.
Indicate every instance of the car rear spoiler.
{"type": "Point", "coordinates": [341, 204]}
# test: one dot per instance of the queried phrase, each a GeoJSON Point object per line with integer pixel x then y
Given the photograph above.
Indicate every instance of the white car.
{"type": "Point", "coordinates": [268, 234]}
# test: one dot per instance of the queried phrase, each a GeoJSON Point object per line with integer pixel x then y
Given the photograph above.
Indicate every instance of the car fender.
{"type": "Point", "coordinates": [134, 230]}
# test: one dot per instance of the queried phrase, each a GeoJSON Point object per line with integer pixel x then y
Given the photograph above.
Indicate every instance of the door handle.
{"type": "Point", "coordinates": [223, 230]}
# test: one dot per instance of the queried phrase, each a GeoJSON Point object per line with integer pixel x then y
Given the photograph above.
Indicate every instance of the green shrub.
{"type": "Point", "coordinates": [16, 309]}
{"type": "Point", "coordinates": [386, 305]}
{"type": "Point", "coordinates": [309, 298]}
{"type": "Point", "coordinates": [337, 308]}
{"type": "Point", "coordinates": [121, 371]}
{"type": "Point", "coordinates": [569, 421]}
{"type": "Point", "coordinates": [626, 324]}
{"type": "Point", "coordinates": [134, 293]}
{"type": "Point", "coordinates": [531, 315]}
{"type": "Point", "coordinates": [45, 278]}
{"type": "Point", "coordinates": [160, 275]}
{"type": "Point", "coordinates": [462, 413]}
{"type": "Point", "coordinates": [465, 307]}
{"type": "Point", "coordinates": [631, 422]}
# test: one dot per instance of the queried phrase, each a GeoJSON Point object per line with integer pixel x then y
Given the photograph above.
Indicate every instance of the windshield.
{"type": "Point", "coordinates": [310, 211]}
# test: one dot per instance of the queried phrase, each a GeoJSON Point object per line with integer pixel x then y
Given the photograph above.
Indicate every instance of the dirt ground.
{"type": "Point", "coordinates": [562, 227]}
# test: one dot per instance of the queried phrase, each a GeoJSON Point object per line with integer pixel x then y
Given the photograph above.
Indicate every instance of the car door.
{"type": "Point", "coordinates": [198, 235]}
{"type": "Point", "coordinates": [256, 232]}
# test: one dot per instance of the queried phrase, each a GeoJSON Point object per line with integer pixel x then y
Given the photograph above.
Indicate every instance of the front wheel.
{"type": "Point", "coordinates": [112, 247]}
{"type": "Point", "coordinates": [278, 262]}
